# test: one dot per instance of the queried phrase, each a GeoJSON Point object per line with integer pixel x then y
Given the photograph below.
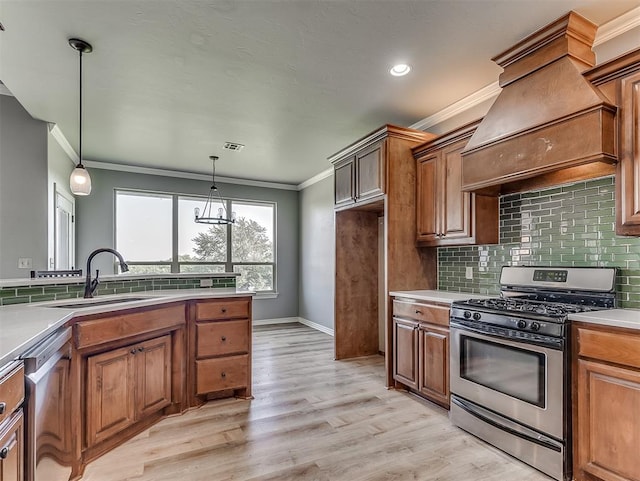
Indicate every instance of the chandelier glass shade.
{"type": "Point", "coordinates": [80, 180]}
{"type": "Point", "coordinates": [214, 210]}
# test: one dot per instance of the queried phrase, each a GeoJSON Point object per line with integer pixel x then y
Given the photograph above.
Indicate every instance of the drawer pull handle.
{"type": "Point", "coordinates": [418, 312]}
{"type": "Point", "coordinates": [4, 453]}
{"type": "Point", "coordinates": [224, 338]}
{"type": "Point", "coordinates": [3, 406]}
{"type": "Point", "coordinates": [223, 375]}
{"type": "Point", "coordinates": [133, 351]}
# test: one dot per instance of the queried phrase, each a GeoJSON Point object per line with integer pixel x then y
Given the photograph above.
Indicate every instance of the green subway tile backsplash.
{"type": "Point", "coordinates": [572, 225]}
{"type": "Point", "coordinates": [28, 294]}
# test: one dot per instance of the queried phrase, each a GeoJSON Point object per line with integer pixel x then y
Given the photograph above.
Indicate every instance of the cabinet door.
{"type": "Point", "coordinates": [456, 205]}
{"type": "Point", "coordinates": [426, 199]}
{"type": "Point", "coordinates": [370, 176]}
{"type": "Point", "coordinates": [110, 396]}
{"type": "Point", "coordinates": [433, 363]}
{"type": "Point", "coordinates": [153, 375]}
{"type": "Point", "coordinates": [343, 179]}
{"type": "Point", "coordinates": [405, 352]}
{"type": "Point", "coordinates": [628, 169]}
{"type": "Point", "coordinates": [12, 448]}
{"type": "Point", "coordinates": [608, 439]}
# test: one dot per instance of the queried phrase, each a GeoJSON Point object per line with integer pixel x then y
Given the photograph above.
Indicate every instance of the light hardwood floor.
{"type": "Point", "coordinates": [312, 419]}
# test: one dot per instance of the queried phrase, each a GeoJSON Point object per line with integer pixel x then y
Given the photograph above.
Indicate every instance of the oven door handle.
{"type": "Point", "coordinates": [504, 424]}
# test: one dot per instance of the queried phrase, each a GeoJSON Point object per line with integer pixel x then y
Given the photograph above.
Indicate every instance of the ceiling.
{"type": "Point", "coordinates": [169, 82]}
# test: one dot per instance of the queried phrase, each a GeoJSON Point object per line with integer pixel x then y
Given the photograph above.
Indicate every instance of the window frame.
{"type": "Point", "coordinates": [175, 265]}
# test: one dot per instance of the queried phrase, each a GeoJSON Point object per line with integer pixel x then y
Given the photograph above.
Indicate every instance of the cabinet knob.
{"type": "Point", "coordinates": [4, 453]}
{"type": "Point", "coordinates": [223, 310]}
{"type": "Point", "coordinates": [3, 406]}
{"type": "Point", "coordinates": [133, 351]}
{"type": "Point", "coordinates": [224, 338]}
{"type": "Point", "coordinates": [140, 349]}
{"type": "Point", "coordinates": [223, 375]}
{"type": "Point", "coordinates": [418, 312]}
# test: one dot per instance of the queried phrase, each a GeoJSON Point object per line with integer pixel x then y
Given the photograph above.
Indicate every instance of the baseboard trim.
{"type": "Point", "coordinates": [316, 326]}
{"type": "Point", "coordinates": [299, 320]}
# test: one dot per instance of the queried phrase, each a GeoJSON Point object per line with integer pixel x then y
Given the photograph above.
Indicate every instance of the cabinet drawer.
{"type": "Point", "coordinates": [222, 338]}
{"type": "Point", "coordinates": [620, 348]}
{"type": "Point", "coordinates": [224, 309]}
{"type": "Point", "coordinates": [128, 324]}
{"type": "Point", "coordinates": [11, 389]}
{"type": "Point", "coordinates": [222, 373]}
{"type": "Point", "coordinates": [431, 313]}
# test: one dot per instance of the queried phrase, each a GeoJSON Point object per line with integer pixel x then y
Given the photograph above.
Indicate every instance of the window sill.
{"type": "Point", "coordinates": [266, 295]}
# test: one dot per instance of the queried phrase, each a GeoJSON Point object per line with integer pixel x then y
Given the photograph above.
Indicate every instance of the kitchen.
{"type": "Point", "coordinates": [458, 257]}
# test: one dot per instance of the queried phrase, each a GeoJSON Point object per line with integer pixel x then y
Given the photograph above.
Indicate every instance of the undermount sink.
{"type": "Point", "coordinates": [98, 302]}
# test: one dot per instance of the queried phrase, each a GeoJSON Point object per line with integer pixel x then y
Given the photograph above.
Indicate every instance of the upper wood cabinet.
{"type": "Point", "coordinates": [360, 170]}
{"type": "Point", "coordinates": [360, 177]}
{"type": "Point", "coordinates": [619, 81]}
{"type": "Point", "coordinates": [444, 214]}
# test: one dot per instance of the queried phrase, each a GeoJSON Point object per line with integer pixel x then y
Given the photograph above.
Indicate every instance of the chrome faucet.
{"type": "Point", "coordinates": [91, 285]}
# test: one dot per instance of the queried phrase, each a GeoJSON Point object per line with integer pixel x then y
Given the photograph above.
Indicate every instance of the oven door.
{"type": "Point", "coordinates": [521, 381]}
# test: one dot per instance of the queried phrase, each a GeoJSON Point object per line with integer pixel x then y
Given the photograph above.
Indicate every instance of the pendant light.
{"type": "Point", "coordinates": [80, 181]}
{"type": "Point", "coordinates": [221, 216]}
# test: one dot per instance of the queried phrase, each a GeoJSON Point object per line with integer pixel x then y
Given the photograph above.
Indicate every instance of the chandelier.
{"type": "Point", "coordinates": [221, 216]}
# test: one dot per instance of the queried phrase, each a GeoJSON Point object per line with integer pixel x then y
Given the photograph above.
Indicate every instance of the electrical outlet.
{"type": "Point", "coordinates": [206, 282]}
{"type": "Point", "coordinates": [25, 263]}
{"type": "Point", "coordinates": [468, 274]}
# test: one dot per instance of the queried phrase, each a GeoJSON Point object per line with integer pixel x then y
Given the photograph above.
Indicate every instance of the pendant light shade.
{"type": "Point", "coordinates": [80, 180]}
{"type": "Point", "coordinates": [214, 210]}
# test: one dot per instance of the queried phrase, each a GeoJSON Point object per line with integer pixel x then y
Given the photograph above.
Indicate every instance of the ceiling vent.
{"type": "Point", "coordinates": [233, 146]}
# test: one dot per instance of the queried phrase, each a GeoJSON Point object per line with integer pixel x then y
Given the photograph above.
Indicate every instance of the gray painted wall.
{"type": "Point", "coordinates": [95, 226]}
{"type": "Point", "coordinates": [23, 189]}
{"type": "Point", "coordinates": [317, 253]}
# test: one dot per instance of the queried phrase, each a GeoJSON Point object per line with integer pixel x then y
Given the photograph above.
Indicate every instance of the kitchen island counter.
{"type": "Point", "coordinates": [22, 326]}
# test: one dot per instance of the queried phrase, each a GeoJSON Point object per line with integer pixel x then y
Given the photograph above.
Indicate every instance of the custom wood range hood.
{"type": "Point", "coordinates": [549, 124]}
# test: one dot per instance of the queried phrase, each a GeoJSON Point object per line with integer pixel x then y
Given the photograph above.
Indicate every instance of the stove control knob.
{"type": "Point", "coordinates": [535, 326]}
{"type": "Point", "coordinates": [476, 316]}
{"type": "Point", "coordinates": [467, 314]}
{"type": "Point", "coordinates": [522, 324]}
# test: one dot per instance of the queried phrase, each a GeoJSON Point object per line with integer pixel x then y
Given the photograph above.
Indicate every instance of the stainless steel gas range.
{"type": "Point", "coordinates": [510, 372]}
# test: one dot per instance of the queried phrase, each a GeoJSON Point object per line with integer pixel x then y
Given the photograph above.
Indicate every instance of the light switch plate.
{"type": "Point", "coordinates": [25, 263]}
{"type": "Point", "coordinates": [468, 273]}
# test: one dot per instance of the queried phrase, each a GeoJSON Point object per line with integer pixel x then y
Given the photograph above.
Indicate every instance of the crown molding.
{"type": "Point", "coordinates": [184, 175]}
{"type": "Point", "coordinates": [5, 91]}
{"type": "Point", "coordinates": [617, 26]}
{"type": "Point", "coordinates": [476, 98]}
{"type": "Point", "coordinates": [315, 179]}
{"type": "Point", "coordinates": [57, 134]}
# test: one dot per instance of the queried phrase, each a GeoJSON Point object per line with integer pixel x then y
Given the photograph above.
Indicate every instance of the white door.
{"type": "Point", "coordinates": [64, 248]}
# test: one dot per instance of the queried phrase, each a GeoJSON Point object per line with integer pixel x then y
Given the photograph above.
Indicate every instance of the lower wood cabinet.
{"type": "Point", "coordinates": [421, 348]}
{"type": "Point", "coordinates": [606, 424]}
{"type": "Point", "coordinates": [221, 354]}
{"type": "Point", "coordinates": [12, 448]}
{"type": "Point", "coordinates": [126, 384]}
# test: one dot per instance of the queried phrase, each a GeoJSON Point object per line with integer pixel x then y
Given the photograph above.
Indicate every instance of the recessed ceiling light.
{"type": "Point", "coordinates": [400, 70]}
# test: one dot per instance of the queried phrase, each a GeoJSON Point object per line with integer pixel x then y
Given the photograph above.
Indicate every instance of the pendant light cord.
{"type": "Point", "coordinates": [80, 115]}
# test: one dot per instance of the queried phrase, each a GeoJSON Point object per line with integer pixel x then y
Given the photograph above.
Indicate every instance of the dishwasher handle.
{"type": "Point", "coordinates": [39, 355]}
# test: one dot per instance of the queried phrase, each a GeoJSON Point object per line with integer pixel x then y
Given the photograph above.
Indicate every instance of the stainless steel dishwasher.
{"type": "Point", "coordinates": [48, 409]}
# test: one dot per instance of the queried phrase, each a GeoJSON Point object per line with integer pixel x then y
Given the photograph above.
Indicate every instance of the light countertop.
{"type": "Point", "coordinates": [629, 318]}
{"type": "Point", "coordinates": [22, 326]}
{"type": "Point", "coordinates": [445, 297]}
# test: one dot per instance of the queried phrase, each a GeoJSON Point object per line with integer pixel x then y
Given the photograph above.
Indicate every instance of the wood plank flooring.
{"type": "Point", "coordinates": [312, 419]}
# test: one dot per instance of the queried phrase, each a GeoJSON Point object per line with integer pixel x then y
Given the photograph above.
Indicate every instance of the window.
{"type": "Point", "coordinates": [156, 233]}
